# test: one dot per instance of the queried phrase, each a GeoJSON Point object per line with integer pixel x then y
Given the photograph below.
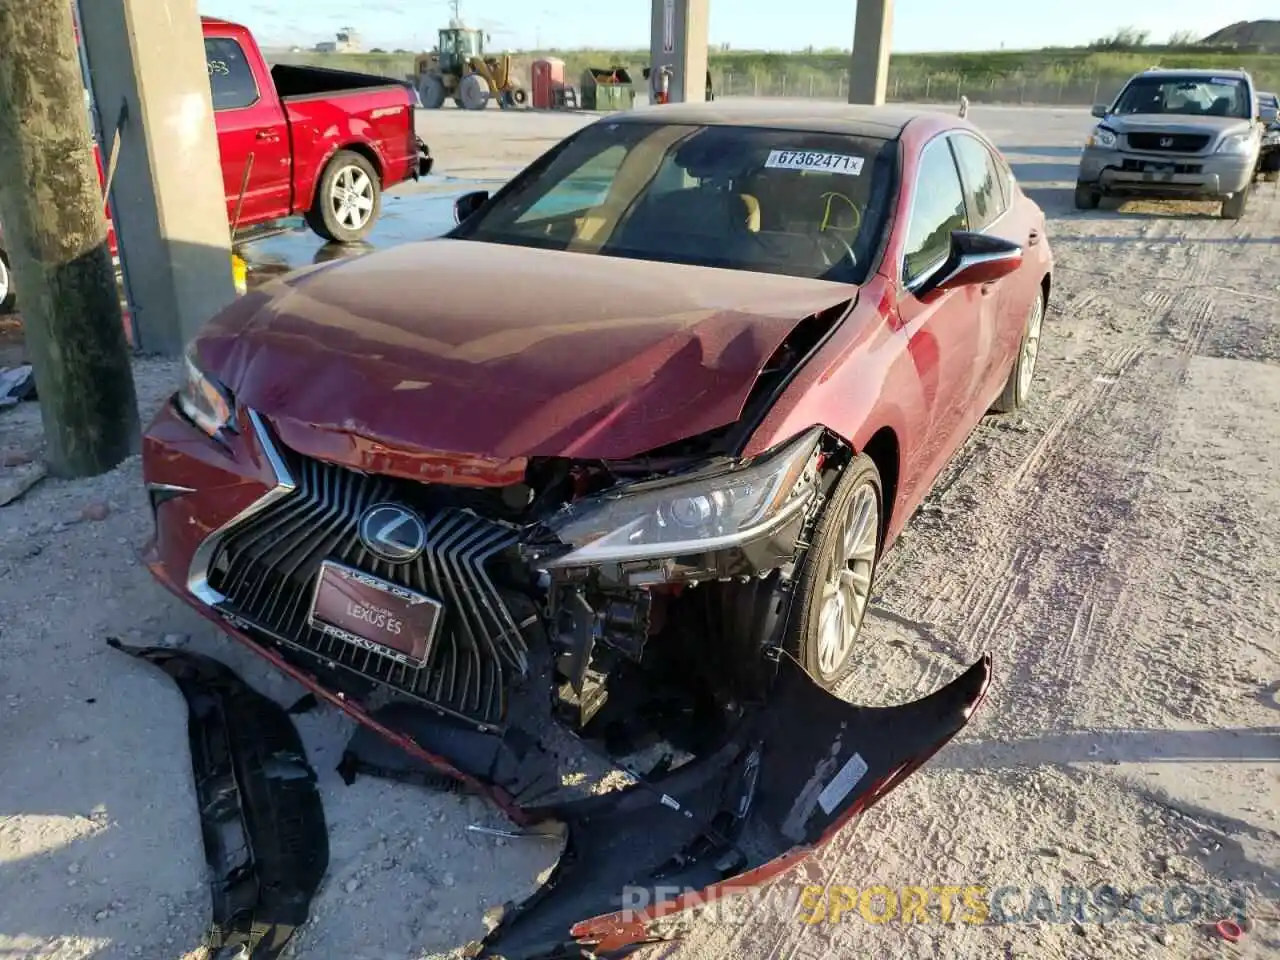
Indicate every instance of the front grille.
{"type": "Point", "coordinates": [1171, 142]}
{"type": "Point", "coordinates": [267, 569]}
{"type": "Point", "coordinates": [1138, 166]}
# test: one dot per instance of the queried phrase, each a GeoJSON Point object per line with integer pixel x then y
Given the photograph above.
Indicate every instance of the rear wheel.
{"type": "Point", "coordinates": [1018, 386]}
{"type": "Point", "coordinates": [473, 92]}
{"type": "Point", "coordinates": [1087, 198]}
{"type": "Point", "coordinates": [834, 588]}
{"type": "Point", "coordinates": [1233, 207]}
{"type": "Point", "coordinates": [348, 199]}
{"type": "Point", "coordinates": [7, 294]}
{"type": "Point", "coordinates": [431, 90]}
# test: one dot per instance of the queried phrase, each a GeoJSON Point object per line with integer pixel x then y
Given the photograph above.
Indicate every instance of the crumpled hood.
{"type": "Point", "coordinates": [505, 352]}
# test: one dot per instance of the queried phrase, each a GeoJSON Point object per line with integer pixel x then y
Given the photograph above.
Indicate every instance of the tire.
{"type": "Point", "coordinates": [431, 91]}
{"type": "Point", "coordinates": [858, 490]}
{"type": "Point", "coordinates": [1087, 198]}
{"type": "Point", "coordinates": [1018, 387]}
{"type": "Point", "coordinates": [473, 92]}
{"type": "Point", "coordinates": [334, 218]}
{"type": "Point", "coordinates": [8, 295]}
{"type": "Point", "coordinates": [519, 97]}
{"type": "Point", "coordinates": [1233, 207]}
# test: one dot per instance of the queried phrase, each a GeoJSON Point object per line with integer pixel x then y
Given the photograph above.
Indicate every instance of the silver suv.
{"type": "Point", "coordinates": [1185, 134]}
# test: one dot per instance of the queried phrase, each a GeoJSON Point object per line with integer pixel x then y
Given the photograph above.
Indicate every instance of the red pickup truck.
{"type": "Point", "coordinates": [310, 140]}
{"type": "Point", "coordinates": [298, 140]}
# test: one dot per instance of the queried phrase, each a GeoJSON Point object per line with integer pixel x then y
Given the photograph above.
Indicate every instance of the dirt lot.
{"type": "Point", "coordinates": [1115, 548]}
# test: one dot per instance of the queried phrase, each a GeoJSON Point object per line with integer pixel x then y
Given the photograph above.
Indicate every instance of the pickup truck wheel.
{"type": "Point", "coordinates": [1087, 198]}
{"type": "Point", "coordinates": [348, 199]}
{"type": "Point", "coordinates": [1233, 206]}
{"type": "Point", "coordinates": [834, 587]}
{"type": "Point", "coordinates": [7, 294]}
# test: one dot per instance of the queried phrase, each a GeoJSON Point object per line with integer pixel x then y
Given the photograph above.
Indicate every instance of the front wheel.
{"type": "Point", "coordinates": [1086, 197]}
{"type": "Point", "coordinates": [1233, 207]}
{"type": "Point", "coordinates": [348, 199]}
{"type": "Point", "coordinates": [834, 587]}
{"type": "Point", "coordinates": [7, 294]}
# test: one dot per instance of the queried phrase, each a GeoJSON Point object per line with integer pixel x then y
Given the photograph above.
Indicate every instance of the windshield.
{"type": "Point", "coordinates": [1205, 96]}
{"type": "Point", "coordinates": [741, 198]}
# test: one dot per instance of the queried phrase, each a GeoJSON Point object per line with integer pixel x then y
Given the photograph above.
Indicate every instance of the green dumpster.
{"type": "Point", "coordinates": [607, 90]}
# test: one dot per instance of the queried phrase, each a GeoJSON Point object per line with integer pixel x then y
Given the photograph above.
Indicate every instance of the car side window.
{"type": "Point", "coordinates": [937, 210]}
{"type": "Point", "coordinates": [231, 79]}
{"type": "Point", "coordinates": [981, 178]}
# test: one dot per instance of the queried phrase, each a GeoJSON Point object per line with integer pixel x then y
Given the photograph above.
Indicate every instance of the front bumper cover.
{"type": "Point", "coordinates": [1190, 176]}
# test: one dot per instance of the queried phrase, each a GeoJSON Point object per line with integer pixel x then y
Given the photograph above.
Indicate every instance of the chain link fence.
{"type": "Point", "coordinates": [940, 87]}
{"type": "Point", "coordinates": [905, 86]}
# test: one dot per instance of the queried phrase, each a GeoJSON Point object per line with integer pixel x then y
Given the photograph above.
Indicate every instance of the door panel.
{"type": "Point", "coordinates": [941, 326]}
{"type": "Point", "coordinates": [997, 334]}
{"type": "Point", "coordinates": [253, 135]}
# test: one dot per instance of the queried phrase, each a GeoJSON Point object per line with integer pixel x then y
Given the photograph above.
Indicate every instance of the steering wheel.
{"type": "Point", "coordinates": [825, 239]}
{"type": "Point", "coordinates": [775, 244]}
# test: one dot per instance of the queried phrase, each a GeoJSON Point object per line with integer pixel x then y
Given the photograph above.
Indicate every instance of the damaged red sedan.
{"type": "Point", "coordinates": [619, 455]}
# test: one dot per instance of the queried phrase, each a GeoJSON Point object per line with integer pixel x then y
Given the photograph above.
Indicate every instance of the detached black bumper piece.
{"type": "Point", "coordinates": [260, 812]}
{"type": "Point", "coordinates": [793, 771]}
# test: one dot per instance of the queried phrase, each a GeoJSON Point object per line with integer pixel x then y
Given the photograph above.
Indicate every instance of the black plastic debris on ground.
{"type": "Point", "coordinates": [260, 812]}
{"type": "Point", "coordinates": [17, 384]}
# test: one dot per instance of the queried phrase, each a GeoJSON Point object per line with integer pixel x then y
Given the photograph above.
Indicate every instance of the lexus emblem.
{"type": "Point", "coordinates": [1166, 141]}
{"type": "Point", "coordinates": [392, 532]}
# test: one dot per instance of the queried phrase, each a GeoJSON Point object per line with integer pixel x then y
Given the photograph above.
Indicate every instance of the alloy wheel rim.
{"type": "Point", "coordinates": [352, 197]}
{"type": "Point", "coordinates": [1031, 347]}
{"type": "Point", "coordinates": [847, 589]}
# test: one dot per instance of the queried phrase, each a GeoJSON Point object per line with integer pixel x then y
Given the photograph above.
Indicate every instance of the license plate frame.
{"type": "Point", "coordinates": [338, 587]}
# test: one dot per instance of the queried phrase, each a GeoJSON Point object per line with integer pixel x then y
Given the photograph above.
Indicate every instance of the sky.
{"type": "Point", "coordinates": [919, 25]}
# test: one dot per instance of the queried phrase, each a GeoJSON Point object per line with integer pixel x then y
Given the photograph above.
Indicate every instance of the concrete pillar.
{"type": "Point", "coordinates": [678, 40]}
{"type": "Point", "coordinates": [167, 195]}
{"type": "Point", "coordinates": [872, 39]}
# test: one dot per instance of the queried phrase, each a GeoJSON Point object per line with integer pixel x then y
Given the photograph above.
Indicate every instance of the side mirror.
{"type": "Point", "coordinates": [467, 204]}
{"type": "Point", "coordinates": [1099, 110]}
{"type": "Point", "coordinates": [974, 258]}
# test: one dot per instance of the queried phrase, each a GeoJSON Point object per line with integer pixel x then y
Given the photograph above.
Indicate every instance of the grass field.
{"type": "Point", "coordinates": [1069, 75]}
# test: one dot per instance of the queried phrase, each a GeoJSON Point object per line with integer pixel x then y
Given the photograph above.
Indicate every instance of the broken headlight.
{"type": "Point", "coordinates": [202, 400]}
{"type": "Point", "coordinates": [684, 515]}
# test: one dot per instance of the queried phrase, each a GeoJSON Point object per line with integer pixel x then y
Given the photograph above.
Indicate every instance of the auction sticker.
{"type": "Point", "coordinates": [817, 162]}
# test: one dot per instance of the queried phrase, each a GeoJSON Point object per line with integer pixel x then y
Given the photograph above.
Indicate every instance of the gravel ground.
{"type": "Point", "coordinates": [1114, 547]}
